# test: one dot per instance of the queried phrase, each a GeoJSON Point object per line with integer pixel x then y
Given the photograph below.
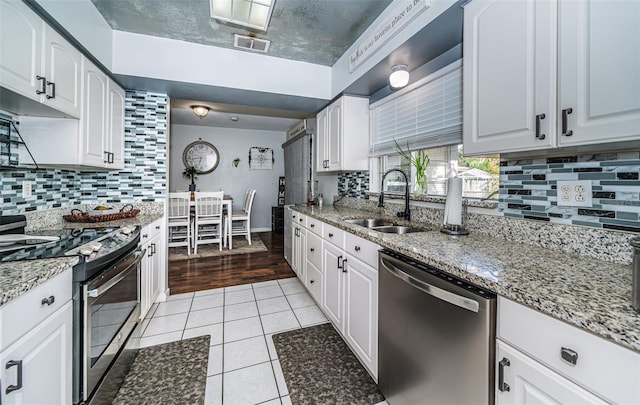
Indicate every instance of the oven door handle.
{"type": "Point", "coordinates": [96, 292]}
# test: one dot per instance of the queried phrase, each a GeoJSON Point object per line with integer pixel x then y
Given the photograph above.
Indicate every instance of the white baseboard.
{"type": "Point", "coordinates": [255, 230]}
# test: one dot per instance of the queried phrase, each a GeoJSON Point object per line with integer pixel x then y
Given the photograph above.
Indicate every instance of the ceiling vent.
{"type": "Point", "coordinates": [254, 44]}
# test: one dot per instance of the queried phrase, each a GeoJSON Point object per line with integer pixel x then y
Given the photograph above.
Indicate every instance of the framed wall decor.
{"type": "Point", "coordinates": [201, 155]}
{"type": "Point", "coordinates": [261, 158]}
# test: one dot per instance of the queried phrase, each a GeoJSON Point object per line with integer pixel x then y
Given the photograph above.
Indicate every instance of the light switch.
{"type": "Point", "coordinates": [26, 189]}
{"type": "Point", "coordinates": [575, 193]}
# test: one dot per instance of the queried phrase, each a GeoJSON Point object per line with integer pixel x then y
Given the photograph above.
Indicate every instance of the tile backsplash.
{"type": "Point", "coordinates": [144, 177]}
{"type": "Point", "coordinates": [528, 189]}
{"type": "Point", "coordinates": [354, 184]}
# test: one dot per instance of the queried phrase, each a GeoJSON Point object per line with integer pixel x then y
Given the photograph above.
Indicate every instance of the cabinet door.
{"type": "Point", "coordinates": [333, 283]}
{"type": "Point", "coordinates": [115, 125]}
{"type": "Point", "coordinates": [334, 136]}
{"type": "Point", "coordinates": [321, 140]}
{"type": "Point", "coordinates": [145, 280]}
{"type": "Point", "coordinates": [530, 383]}
{"type": "Point", "coordinates": [509, 75]}
{"type": "Point", "coordinates": [599, 71]}
{"type": "Point", "coordinates": [45, 352]}
{"type": "Point", "coordinates": [94, 116]}
{"type": "Point", "coordinates": [361, 312]}
{"type": "Point", "coordinates": [63, 69]}
{"type": "Point", "coordinates": [21, 50]}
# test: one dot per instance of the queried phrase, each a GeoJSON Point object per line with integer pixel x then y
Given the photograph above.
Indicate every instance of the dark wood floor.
{"type": "Point", "coordinates": [225, 271]}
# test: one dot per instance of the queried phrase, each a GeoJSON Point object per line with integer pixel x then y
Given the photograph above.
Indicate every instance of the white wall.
{"type": "Point", "coordinates": [196, 63]}
{"type": "Point", "coordinates": [231, 144]}
{"type": "Point", "coordinates": [83, 20]}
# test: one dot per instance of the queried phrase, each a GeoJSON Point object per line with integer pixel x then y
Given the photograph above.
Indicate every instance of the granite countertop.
{"type": "Point", "coordinates": [584, 292]}
{"type": "Point", "coordinates": [18, 277]}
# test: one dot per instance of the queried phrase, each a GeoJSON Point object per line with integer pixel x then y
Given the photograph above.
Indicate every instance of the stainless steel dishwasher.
{"type": "Point", "coordinates": [436, 335]}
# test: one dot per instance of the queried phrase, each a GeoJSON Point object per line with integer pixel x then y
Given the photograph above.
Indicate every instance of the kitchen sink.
{"type": "Point", "coordinates": [369, 222]}
{"type": "Point", "coordinates": [397, 229]}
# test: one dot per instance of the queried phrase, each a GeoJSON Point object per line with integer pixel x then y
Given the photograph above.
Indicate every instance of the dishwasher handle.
{"type": "Point", "coordinates": [444, 295]}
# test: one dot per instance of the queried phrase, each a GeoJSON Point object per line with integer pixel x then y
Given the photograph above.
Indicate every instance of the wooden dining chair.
{"type": "Point", "coordinates": [241, 220]}
{"type": "Point", "coordinates": [208, 222]}
{"type": "Point", "coordinates": [179, 220]}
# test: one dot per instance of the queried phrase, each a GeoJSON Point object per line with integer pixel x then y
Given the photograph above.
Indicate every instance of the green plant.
{"type": "Point", "coordinates": [190, 173]}
{"type": "Point", "coordinates": [420, 161]}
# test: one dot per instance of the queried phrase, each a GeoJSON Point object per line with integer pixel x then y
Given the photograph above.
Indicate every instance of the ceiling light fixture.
{"type": "Point", "coordinates": [234, 118]}
{"type": "Point", "coordinates": [254, 14]}
{"type": "Point", "coordinates": [200, 111]}
{"type": "Point", "coordinates": [399, 77]}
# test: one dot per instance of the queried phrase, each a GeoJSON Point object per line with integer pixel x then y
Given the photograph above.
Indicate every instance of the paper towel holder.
{"type": "Point", "coordinates": [451, 229]}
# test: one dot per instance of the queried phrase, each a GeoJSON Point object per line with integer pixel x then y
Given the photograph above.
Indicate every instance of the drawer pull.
{"type": "Point", "coordinates": [538, 118]}
{"type": "Point", "coordinates": [312, 225]}
{"type": "Point", "coordinates": [330, 235]}
{"type": "Point", "coordinates": [18, 385]}
{"type": "Point", "coordinates": [357, 248]}
{"type": "Point", "coordinates": [311, 281]}
{"type": "Point", "coordinates": [158, 227]}
{"type": "Point", "coordinates": [568, 355]}
{"type": "Point", "coordinates": [145, 236]}
{"type": "Point", "coordinates": [503, 386]}
{"type": "Point", "coordinates": [312, 249]}
{"type": "Point", "coordinates": [339, 261]}
{"type": "Point", "coordinates": [48, 301]}
{"type": "Point", "coordinates": [301, 219]}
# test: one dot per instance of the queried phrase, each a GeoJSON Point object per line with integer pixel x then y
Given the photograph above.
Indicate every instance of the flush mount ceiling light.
{"type": "Point", "coordinates": [200, 111]}
{"type": "Point", "coordinates": [248, 13]}
{"type": "Point", "coordinates": [234, 118]}
{"type": "Point", "coordinates": [399, 77]}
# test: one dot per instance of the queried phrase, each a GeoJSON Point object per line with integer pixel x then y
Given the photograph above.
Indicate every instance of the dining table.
{"type": "Point", "coordinates": [227, 203]}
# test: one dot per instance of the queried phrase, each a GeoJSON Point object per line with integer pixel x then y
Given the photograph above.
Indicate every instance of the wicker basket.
{"type": "Point", "coordinates": [78, 216]}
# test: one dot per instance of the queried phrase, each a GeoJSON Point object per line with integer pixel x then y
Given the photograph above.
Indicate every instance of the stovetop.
{"type": "Point", "coordinates": [89, 243]}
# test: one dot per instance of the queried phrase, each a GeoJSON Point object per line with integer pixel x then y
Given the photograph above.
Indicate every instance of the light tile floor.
{"type": "Point", "coordinates": [243, 363]}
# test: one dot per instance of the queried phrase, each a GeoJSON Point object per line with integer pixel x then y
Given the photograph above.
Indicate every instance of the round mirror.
{"type": "Point", "coordinates": [201, 155]}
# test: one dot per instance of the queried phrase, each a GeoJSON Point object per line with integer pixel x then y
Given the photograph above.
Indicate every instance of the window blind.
{"type": "Point", "coordinates": [426, 115]}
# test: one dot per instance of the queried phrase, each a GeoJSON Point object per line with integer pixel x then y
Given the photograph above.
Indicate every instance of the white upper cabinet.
{"type": "Point", "coordinates": [546, 74]}
{"type": "Point", "coordinates": [115, 125]}
{"type": "Point", "coordinates": [37, 62]}
{"type": "Point", "coordinates": [21, 57]}
{"type": "Point", "coordinates": [599, 71]}
{"type": "Point", "coordinates": [342, 135]}
{"type": "Point", "coordinates": [94, 117]}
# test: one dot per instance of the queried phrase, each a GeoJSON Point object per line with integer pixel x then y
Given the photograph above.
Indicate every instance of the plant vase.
{"type": "Point", "coordinates": [420, 186]}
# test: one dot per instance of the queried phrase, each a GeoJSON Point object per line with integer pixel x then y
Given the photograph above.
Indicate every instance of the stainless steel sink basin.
{"type": "Point", "coordinates": [369, 222]}
{"type": "Point", "coordinates": [397, 229]}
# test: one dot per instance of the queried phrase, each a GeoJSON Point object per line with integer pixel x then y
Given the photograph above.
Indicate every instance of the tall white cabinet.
{"type": "Point", "coordinates": [546, 74]}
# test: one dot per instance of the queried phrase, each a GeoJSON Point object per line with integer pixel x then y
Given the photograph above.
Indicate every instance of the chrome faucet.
{"type": "Point", "coordinates": [406, 214]}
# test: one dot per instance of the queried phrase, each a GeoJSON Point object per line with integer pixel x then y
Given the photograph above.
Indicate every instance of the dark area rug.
{"type": "Point", "coordinates": [319, 368]}
{"type": "Point", "coordinates": [171, 373]}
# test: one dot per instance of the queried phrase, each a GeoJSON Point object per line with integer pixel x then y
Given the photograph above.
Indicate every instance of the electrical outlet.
{"type": "Point", "coordinates": [576, 193]}
{"type": "Point", "coordinates": [26, 189]}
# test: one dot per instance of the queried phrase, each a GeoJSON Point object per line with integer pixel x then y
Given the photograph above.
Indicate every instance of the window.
{"type": "Point", "coordinates": [427, 116]}
{"type": "Point", "coordinates": [479, 175]}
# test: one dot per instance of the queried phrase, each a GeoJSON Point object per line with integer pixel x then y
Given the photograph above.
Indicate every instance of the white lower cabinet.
{"type": "Point", "coordinates": [559, 363]}
{"type": "Point", "coordinates": [152, 267]}
{"type": "Point", "coordinates": [36, 369]}
{"type": "Point", "coordinates": [350, 296]}
{"type": "Point", "coordinates": [527, 382]}
{"type": "Point", "coordinates": [361, 311]}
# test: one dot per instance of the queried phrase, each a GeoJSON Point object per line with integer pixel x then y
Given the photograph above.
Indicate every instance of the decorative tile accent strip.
{"type": "Point", "coordinates": [143, 179]}
{"type": "Point", "coordinates": [528, 190]}
{"type": "Point", "coordinates": [354, 184]}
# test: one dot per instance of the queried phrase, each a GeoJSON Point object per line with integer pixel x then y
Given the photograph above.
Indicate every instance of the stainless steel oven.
{"type": "Point", "coordinates": [110, 312]}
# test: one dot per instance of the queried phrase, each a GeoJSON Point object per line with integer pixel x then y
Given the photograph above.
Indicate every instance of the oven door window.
{"type": "Point", "coordinates": [109, 312]}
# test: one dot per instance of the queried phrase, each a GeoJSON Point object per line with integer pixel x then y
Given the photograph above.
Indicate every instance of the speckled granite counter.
{"type": "Point", "coordinates": [18, 277]}
{"type": "Point", "coordinates": [590, 294]}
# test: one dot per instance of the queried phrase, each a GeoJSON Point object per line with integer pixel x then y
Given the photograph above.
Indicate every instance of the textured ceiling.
{"type": "Point", "coordinates": [314, 31]}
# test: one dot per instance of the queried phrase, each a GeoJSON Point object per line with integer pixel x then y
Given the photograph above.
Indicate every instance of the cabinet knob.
{"type": "Point", "coordinates": [48, 301]}
{"type": "Point", "coordinates": [158, 227]}
{"type": "Point", "coordinates": [145, 236]}
{"type": "Point", "coordinates": [357, 248]}
{"type": "Point", "coordinates": [312, 249]}
{"type": "Point", "coordinates": [301, 219]}
{"type": "Point", "coordinates": [311, 281]}
{"type": "Point", "coordinates": [568, 355]}
{"type": "Point", "coordinates": [330, 235]}
{"type": "Point", "coordinates": [312, 225]}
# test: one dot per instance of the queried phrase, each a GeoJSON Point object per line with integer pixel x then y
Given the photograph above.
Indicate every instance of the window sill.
{"type": "Point", "coordinates": [473, 202]}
